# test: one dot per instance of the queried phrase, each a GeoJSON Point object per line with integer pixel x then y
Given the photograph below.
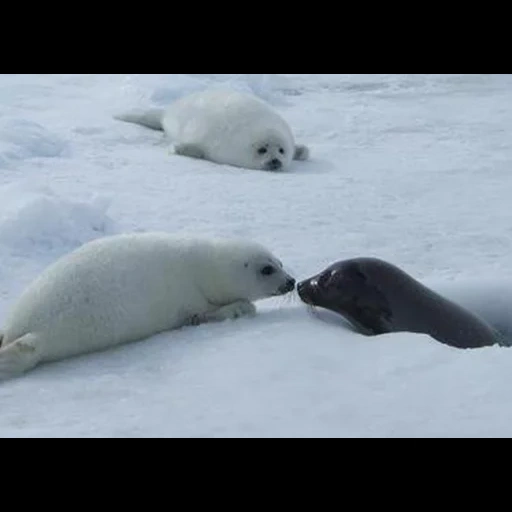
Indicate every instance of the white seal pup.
{"type": "Point", "coordinates": [226, 127]}
{"type": "Point", "coordinates": [128, 287]}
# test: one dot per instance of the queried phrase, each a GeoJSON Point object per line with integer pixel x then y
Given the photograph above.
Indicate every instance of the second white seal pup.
{"type": "Point", "coordinates": [226, 127]}
{"type": "Point", "coordinates": [128, 287]}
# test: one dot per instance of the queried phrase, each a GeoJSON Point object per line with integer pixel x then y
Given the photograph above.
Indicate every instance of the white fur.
{"type": "Point", "coordinates": [128, 287]}
{"type": "Point", "coordinates": [226, 127]}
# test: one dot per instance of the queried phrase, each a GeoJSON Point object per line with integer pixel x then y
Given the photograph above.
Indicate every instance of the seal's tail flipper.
{"type": "Point", "coordinates": [148, 118]}
{"type": "Point", "coordinates": [18, 357]}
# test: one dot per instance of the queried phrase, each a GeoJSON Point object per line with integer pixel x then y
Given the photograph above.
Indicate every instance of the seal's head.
{"type": "Point", "coordinates": [348, 288]}
{"type": "Point", "coordinates": [245, 270]}
{"type": "Point", "coordinates": [267, 275]}
{"type": "Point", "coordinates": [272, 152]}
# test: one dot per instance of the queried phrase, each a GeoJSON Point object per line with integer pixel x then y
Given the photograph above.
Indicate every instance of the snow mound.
{"type": "Point", "coordinates": [268, 87]}
{"type": "Point", "coordinates": [33, 217]}
{"type": "Point", "coordinates": [143, 90]}
{"type": "Point", "coordinates": [21, 139]}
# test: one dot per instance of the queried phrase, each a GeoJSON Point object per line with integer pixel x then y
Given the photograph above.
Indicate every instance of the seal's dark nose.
{"type": "Point", "coordinates": [288, 286]}
{"type": "Point", "coordinates": [274, 164]}
{"type": "Point", "coordinates": [303, 289]}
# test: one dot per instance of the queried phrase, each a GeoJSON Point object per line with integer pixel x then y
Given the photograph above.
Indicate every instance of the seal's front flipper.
{"type": "Point", "coordinates": [229, 312]}
{"type": "Point", "coordinates": [190, 150]}
{"type": "Point", "coordinates": [18, 357]}
{"type": "Point", "coordinates": [301, 152]}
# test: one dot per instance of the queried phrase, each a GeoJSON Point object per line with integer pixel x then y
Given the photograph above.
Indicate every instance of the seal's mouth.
{"type": "Point", "coordinates": [273, 165]}
{"type": "Point", "coordinates": [307, 290]}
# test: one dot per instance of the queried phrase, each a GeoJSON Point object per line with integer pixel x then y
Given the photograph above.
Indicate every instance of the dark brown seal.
{"type": "Point", "coordinates": [377, 297]}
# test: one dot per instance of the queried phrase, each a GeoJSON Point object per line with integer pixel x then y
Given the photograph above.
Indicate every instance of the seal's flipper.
{"type": "Point", "coordinates": [228, 312]}
{"type": "Point", "coordinates": [190, 150]}
{"type": "Point", "coordinates": [149, 118]}
{"type": "Point", "coordinates": [18, 357]}
{"type": "Point", "coordinates": [301, 152]}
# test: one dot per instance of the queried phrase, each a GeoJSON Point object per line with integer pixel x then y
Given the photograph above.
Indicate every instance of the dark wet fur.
{"type": "Point", "coordinates": [378, 297]}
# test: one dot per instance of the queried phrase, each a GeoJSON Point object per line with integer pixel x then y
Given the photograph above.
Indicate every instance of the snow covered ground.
{"type": "Point", "coordinates": [415, 169]}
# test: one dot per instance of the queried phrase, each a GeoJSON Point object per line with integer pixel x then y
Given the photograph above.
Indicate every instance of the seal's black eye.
{"type": "Point", "coordinates": [262, 151]}
{"type": "Point", "coordinates": [322, 280]}
{"type": "Point", "coordinates": [268, 270]}
{"type": "Point", "coordinates": [281, 150]}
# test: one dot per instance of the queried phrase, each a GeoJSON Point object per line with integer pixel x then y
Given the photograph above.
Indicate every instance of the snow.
{"type": "Point", "coordinates": [414, 169]}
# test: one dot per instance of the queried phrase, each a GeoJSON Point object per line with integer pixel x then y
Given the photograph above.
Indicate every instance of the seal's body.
{"type": "Point", "coordinates": [225, 127]}
{"type": "Point", "coordinates": [378, 297]}
{"type": "Point", "coordinates": [128, 287]}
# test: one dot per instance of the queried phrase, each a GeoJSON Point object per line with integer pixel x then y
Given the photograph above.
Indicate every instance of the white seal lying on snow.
{"type": "Point", "coordinates": [226, 127]}
{"type": "Point", "coordinates": [128, 287]}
